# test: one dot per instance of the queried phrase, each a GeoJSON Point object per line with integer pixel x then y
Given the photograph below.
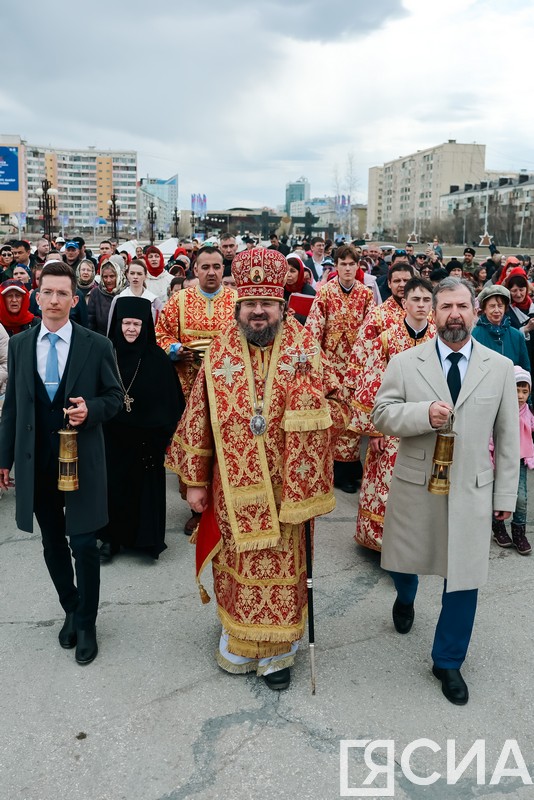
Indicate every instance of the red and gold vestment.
{"type": "Point", "coordinates": [262, 487]}
{"type": "Point", "coordinates": [335, 320]}
{"type": "Point", "coordinates": [369, 360]}
{"type": "Point", "coordinates": [190, 316]}
{"type": "Point", "coordinates": [381, 317]}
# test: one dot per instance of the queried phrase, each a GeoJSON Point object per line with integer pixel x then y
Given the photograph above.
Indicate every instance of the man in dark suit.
{"type": "Point", "coordinates": [60, 370]}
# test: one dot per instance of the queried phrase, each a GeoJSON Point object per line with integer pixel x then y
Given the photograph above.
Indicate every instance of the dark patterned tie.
{"type": "Point", "coordinates": [454, 380]}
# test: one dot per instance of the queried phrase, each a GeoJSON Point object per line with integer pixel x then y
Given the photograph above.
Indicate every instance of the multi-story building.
{"type": "Point", "coordinates": [84, 179]}
{"type": "Point", "coordinates": [298, 190]}
{"type": "Point", "coordinates": [405, 193]}
{"type": "Point", "coordinates": [164, 195]}
{"type": "Point", "coordinates": [500, 207]}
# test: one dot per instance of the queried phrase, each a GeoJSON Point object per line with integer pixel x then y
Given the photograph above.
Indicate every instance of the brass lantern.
{"type": "Point", "coordinates": [68, 460]}
{"type": "Point", "coordinates": [439, 482]}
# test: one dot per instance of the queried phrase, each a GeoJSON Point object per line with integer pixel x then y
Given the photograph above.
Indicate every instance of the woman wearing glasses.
{"type": "Point", "coordinates": [7, 262]}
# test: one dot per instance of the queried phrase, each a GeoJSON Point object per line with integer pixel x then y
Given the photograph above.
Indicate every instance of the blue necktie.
{"type": "Point", "coordinates": [454, 380]}
{"type": "Point", "coordinates": [52, 367]}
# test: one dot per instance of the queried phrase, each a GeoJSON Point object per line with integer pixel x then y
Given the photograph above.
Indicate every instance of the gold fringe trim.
{"type": "Point", "coordinates": [246, 496]}
{"type": "Point", "coordinates": [306, 420]}
{"type": "Point", "coordinates": [262, 540]}
{"type": "Point", "coordinates": [235, 669]}
{"type": "Point", "coordinates": [368, 515]}
{"type": "Point", "coordinates": [297, 512]}
{"type": "Point", "coordinates": [261, 633]}
{"type": "Point", "coordinates": [257, 649]}
{"type": "Point", "coordinates": [280, 664]}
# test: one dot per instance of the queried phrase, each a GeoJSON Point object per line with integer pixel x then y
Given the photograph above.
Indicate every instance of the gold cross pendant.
{"type": "Point", "coordinates": [128, 402]}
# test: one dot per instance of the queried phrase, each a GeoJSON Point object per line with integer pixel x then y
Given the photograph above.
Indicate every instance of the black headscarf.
{"type": "Point", "coordinates": [158, 397]}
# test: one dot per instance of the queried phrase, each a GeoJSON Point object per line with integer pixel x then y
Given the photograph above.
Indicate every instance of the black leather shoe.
{"type": "Point", "coordinates": [67, 634]}
{"type": "Point", "coordinates": [453, 685]}
{"type": "Point", "coordinates": [87, 648]}
{"type": "Point", "coordinates": [106, 551]}
{"type": "Point", "coordinates": [349, 487]}
{"type": "Point", "coordinates": [403, 616]}
{"type": "Point", "coordinates": [278, 680]}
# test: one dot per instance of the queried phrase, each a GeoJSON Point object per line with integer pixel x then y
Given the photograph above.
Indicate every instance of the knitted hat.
{"type": "Point", "coordinates": [522, 376]}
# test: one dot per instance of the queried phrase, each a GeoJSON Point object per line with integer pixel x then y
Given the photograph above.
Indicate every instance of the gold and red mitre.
{"type": "Point", "coordinates": [260, 274]}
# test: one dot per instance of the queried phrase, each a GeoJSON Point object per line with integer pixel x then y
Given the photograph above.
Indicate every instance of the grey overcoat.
{"type": "Point", "coordinates": [448, 535]}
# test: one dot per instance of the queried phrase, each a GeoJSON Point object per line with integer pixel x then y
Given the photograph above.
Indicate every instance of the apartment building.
{"type": "Point", "coordinates": [405, 192]}
{"type": "Point", "coordinates": [84, 179]}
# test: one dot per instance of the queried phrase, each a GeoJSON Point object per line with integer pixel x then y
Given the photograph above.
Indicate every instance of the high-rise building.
{"type": "Point", "coordinates": [164, 195]}
{"type": "Point", "coordinates": [85, 180]}
{"type": "Point", "coordinates": [405, 193]}
{"type": "Point", "coordinates": [298, 190]}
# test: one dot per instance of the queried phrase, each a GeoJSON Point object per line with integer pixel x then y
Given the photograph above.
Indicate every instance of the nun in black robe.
{"type": "Point", "coordinates": [136, 439]}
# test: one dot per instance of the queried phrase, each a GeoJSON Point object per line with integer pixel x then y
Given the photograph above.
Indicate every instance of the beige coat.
{"type": "Point", "coordinates": [448, 535]}
{"type": "Point", "coordinates": [4, 341]}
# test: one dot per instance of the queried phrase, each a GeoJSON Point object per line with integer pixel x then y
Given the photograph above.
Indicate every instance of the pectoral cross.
{"type": "Point", "coordinates": [128, 402]}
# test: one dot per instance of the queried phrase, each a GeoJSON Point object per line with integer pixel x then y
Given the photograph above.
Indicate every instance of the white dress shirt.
{"type": "Point", "coordinates": [463, 363]}
{"type": "Point", "coordinates": [62, 347]}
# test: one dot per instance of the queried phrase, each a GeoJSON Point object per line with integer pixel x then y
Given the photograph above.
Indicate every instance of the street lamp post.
{"type": "Point", "coordinates": [114, 214]}
{"type": "Point", "coordinates": [152, 217]}
{"type": "Point", "coordinates": [523, 215]}
{"type": "Point", "coordinates": [176, 220]}
{"type": "Point", "coordinates": [47, 205]}
{"type": "Point", "coordinates": [485, 239]}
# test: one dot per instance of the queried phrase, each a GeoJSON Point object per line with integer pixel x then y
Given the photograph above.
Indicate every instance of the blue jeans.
{"type": "Point", "coordinates": [519, 516]}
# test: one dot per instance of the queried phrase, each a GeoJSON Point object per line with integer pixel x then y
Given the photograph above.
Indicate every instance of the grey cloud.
{"type": "Point", "coordinates": [166, 80]}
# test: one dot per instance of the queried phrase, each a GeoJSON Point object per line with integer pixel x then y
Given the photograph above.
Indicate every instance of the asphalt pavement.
{"type": "Point", "coordinates": [154, 718]}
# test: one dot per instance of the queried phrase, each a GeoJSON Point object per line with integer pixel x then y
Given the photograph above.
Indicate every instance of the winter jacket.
{"type": "Point", "coordinates": [502, 339]}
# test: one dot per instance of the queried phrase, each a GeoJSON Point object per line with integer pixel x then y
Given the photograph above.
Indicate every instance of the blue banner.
{"type": "Point", "coordinates": [9, 169]}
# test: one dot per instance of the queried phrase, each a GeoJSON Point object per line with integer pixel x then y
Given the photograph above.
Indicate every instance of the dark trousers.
{"type": "Point", "coordinates": [82, 596]}
{"type": "Point", "coordinates": [455, 623]}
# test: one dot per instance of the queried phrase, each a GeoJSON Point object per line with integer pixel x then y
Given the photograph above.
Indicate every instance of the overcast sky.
{"type": "Point", "coordinates": [241, 96]}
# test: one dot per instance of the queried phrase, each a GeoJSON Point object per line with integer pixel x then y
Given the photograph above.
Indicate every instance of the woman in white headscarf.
{"type": "Point", "coordinates": [112, 282]}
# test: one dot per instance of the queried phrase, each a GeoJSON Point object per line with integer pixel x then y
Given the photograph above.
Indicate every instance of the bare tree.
{"type": "Point", "coordinates": [351, 182]}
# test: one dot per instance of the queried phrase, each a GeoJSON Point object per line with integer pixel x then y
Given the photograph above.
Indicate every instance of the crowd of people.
{"type": "Point", "coordinates": [254, 375]}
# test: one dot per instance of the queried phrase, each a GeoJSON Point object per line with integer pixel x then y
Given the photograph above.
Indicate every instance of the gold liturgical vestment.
{"type": "Point", "coordinates": [262, 487]}
{"type": "Point", "coordinates": [190, 317]}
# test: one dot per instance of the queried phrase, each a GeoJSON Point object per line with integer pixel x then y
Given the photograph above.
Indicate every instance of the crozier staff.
{"type": "Point", "coordinates": [255, 448]}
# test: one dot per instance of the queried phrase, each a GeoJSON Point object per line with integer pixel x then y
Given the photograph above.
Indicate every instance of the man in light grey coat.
{"type": "Point", "coordinates": [448, 535]}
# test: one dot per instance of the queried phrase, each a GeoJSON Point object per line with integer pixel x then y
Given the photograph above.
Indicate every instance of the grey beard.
{"type": "Point", "coordinates": [454, 335]}
{"type": "Point", "coordinates": [260, 338]}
